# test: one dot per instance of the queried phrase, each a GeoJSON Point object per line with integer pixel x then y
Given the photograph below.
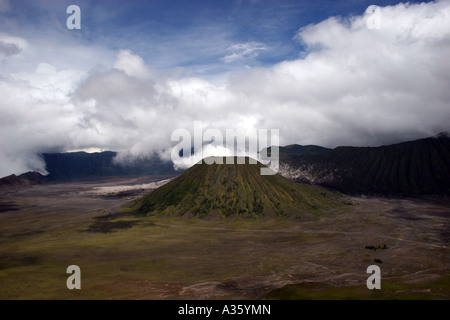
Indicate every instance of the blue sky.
{"type": "Point", "coordinates": [138, 70]}
{"type": "Point", "coordinates": [183, 33]}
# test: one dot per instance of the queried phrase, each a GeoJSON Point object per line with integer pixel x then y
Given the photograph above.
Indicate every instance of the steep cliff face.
{"type": "Point", "coordinates": [412, 168]}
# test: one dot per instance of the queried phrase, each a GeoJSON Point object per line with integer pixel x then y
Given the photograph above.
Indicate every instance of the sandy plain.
{"type": "Point", "coordinates": [46, 228]}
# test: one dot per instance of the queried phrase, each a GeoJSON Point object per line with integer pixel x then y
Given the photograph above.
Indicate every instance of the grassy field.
{"type": "Point", "coordinates": [133, 257]}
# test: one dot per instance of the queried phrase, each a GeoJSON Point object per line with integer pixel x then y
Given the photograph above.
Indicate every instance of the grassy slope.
{"type": "Point", "coordinates": [237, 189]}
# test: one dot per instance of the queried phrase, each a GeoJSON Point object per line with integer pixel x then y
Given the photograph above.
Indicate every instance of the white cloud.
{"type": "Point", "coordinates": [33, 121]}
{"type": "Point", "coordinates": [242, 51]}
{"type": "Point", "coordinates": [133, 65]}
{"type": "Point", "coordinates": [207, 151]}
{"type": "Point", "coordinates": [355, 86]}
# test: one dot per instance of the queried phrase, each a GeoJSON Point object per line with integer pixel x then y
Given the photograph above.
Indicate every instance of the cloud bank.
{"type": "Point", "coordinates": [353, 86]}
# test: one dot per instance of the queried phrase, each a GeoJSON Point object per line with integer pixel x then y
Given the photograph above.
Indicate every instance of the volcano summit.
{"type": "Point", "coordinates": [236, 190]}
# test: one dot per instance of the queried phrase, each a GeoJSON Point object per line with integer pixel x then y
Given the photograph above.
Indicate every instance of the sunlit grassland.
{"type": "Point", "coordinates": [126, 256]}
{"type": "Point", "coordinates": [162, 251]}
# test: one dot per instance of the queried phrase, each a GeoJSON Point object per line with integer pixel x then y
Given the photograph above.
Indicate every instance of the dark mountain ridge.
{"type": "Point", "coordinates": [414, 168]}
{"type": "Point", "coordinates": [420, 167]}
{"type": "Point", "coordinates": [82, 164]}
{"type": "Point", "coordinates": [74, 165]}
{"type": "Point", "coordinates": [296, 151]}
